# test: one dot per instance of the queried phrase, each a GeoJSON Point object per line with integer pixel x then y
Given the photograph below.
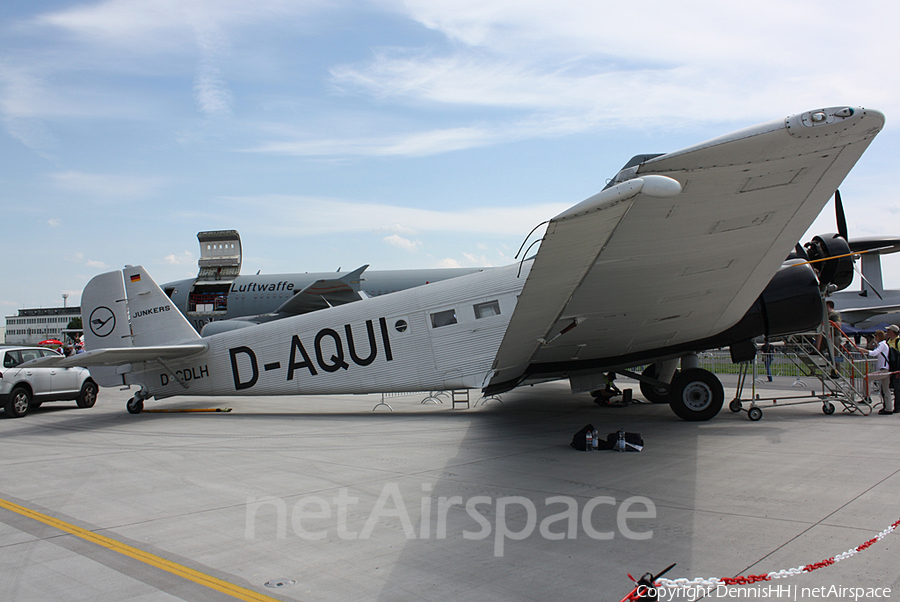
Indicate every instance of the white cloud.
{"type": "Point", "coordinates": [106, 186]}
{"type": "Point", "coordinates": [305, 216]}
{"type": "Point", "coordinates": [665, 64]}
{"type": "Point", "coordinates": [395, 240]}
{"type": "Point", "coordinates": [412, 144]}
{"type": "Point", "coordinates": [210, 86]}
{"type": "Point", "coordinates": [184, 258]}
{"type": "Point", "coordinates": [54, 222]}
{"type": "Point", "coordinates": [448, 262]}
{"type": "Point", "coordinates": [396, 229]}
{"type": "Point", "coordinates": [159, 25]}
{"type": "Point", "coordinates": [96, 264]}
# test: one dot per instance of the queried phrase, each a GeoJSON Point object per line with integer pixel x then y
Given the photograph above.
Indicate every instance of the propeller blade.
{"type": "Point", "coordinates": [801, 252]}
{"type": "Point", "coordinates": [839, 213]}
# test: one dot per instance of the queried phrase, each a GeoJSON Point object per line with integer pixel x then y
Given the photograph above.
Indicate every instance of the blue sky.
{"type": "Point", "coordinates": [400, 134]}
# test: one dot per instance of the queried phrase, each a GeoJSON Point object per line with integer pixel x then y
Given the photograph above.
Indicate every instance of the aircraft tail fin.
{"type": "Point", "coordinates": [128, 309]}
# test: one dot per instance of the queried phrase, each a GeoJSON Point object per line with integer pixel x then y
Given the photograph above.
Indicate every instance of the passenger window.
{"type": "Point", "coordinates": [443, 318]}
{"type": "Point", "coordinates": [486, 310]}
{"type": "Point", "coordinates": [29, 355]}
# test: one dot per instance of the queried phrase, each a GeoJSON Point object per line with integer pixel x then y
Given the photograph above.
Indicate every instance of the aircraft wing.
{"type": "Point", "coordinates": [120, 355]}
{"type": "Point", "coordinates": [324, 293]}
{"type": "Point", "coordinates": [855, 315]}
{"type": "Point", "coordinates": [679, 247]}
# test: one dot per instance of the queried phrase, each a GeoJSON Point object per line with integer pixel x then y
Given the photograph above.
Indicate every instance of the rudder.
{"type": "Point", "coordinates": [154, 319]}
{"type": "Point", "coordinates": [105, 312]}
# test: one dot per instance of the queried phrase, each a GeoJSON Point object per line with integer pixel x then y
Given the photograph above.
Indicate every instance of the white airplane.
{"type": "Point", "coordinates": [679, 253]}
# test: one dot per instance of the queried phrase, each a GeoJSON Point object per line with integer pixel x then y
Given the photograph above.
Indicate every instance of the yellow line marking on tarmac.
{"type": "Point", "coordinates": [145, 557]}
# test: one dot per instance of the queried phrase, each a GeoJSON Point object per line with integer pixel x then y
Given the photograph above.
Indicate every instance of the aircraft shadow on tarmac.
{"type": "Point", "coordinates": [497, 484]}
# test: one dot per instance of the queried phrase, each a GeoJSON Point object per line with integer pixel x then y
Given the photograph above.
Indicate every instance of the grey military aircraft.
{"type": "Point", "coordinates": [872, 305]}
{"type": "Point", "coordinates": [599, 295]}
{"type": "Point", "coordinates": [220, 299]}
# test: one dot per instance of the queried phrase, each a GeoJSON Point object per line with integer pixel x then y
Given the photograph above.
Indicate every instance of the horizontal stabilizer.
{"type": "Point", "coordinates": [122, 355]}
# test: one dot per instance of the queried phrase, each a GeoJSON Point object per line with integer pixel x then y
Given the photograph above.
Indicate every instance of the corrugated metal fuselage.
{"type": "Point", "coordinates": [415, 340]}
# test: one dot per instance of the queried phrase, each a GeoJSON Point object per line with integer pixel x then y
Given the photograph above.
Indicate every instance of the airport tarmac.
{"type": "Point", "coordinates": [321, 498]}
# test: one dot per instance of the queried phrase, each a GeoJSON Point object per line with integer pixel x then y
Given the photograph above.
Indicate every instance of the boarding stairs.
{"type": "Point", "coordinates": [842, 372]}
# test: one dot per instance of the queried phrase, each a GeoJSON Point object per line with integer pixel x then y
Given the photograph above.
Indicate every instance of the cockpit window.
{"type": "Point", "coordinates": [443, 318]}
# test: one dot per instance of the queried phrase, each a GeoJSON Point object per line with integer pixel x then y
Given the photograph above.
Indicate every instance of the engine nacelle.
{"type": "Point", "coordinates": [832, 260]}
{"type": "Point", "coordinates": [790, 303]}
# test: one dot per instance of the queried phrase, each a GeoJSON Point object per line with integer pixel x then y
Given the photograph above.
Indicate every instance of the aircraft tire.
{"type": "Point", "coordinates": [135, 406]}
{"type": "Point", "coordinates": [651, 393]}
{"type": "Point", "coordinates": [18, 403]}
{"type": "Point", "coordinates": [696, 395]}
{"type": "Point", "coordinates": [88, 396]}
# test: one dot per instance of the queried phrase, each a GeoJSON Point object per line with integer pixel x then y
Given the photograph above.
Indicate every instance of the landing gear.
{"type": "Point", "coordinates": [135, 405]}
{"type": "Point", "coordinates": [651, 393]}
{"type": "Point", "coordinates": [696, 394]}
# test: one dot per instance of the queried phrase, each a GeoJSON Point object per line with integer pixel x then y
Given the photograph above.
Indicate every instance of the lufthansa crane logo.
{"type": "Point", "coordinates": [103, 321]}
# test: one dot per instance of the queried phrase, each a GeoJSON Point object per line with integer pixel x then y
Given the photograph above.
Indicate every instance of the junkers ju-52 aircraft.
{"type": "Point", "coordinates": [220, 298]}
{"type": "Point", "coordinates": [679, 253]}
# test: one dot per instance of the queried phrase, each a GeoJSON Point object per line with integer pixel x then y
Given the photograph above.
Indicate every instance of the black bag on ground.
{"type": "Point", "coordinates": [579, 438]}
{"type": "Point", "coordinates": [632, 438]}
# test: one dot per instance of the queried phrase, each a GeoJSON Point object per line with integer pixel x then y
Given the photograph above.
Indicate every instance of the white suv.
{"type": "Point", "coordinates": [27, 387]}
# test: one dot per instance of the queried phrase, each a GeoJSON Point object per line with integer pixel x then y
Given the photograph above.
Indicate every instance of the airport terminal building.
{"type": "Point", "coordinates": [31, 326]}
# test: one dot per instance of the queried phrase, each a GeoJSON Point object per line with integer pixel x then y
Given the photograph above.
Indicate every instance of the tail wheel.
{"type": "Point", "coordinates": [18, 403]}
{"type": "Point", "coordinates": [696, 395]}
{"type": "Point", "coordinates": [135, 405]}
{"type": "Point", "coordinates": [88, 396]}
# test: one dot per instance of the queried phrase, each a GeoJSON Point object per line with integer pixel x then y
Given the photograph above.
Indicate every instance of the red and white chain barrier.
{"type": "Point", "coordinates": [750, 579]}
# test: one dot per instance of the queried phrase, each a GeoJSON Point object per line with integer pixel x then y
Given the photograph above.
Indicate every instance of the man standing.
{"type": "Point", "coordinates": [893, 340]}
{"type": "Point", "coordinates": [832, 329]}
{"type": "Point", "coordinates": [882, 373]}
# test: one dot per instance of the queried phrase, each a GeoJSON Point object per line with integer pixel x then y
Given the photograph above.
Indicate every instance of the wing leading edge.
{"type": "Point", "coordinates": [680, 246]}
